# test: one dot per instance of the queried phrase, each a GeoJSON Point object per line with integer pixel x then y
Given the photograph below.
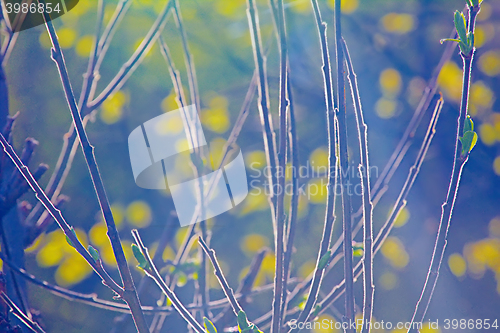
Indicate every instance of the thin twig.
{"type": "Point", "coordinates": [94, 301]}
{"type": "Point", "coordinates": [345, 178]}
{"type": "Point", "coordinates": [318, 274]}
{"type": "Point", "coordinates": [152, 272]}
{"type": "Point", "coordinates": [21, 315]}
{"type": "Point", "coordinates": [400, 203]}
{"type": "Point", "coordinates": [265, 115]}
{"type": "Point", "coordinates": [459, 162]}
{"type": "Point", "coordinates": [280, 172]}
{"type": "Point", "coordinates": [224, 317]}
{"type": "Point", "coordinates": [228, 291]}
{"type": "Point", "coordinates": [368, 285]}
{"type": "Point", "coordinates": [294, 200]}
{"type": "Point", "coordinates": [129, 292]}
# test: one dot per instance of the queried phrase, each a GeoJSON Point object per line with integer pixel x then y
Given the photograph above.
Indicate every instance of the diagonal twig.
{"type": "Point", "coordinates": [129, 292]}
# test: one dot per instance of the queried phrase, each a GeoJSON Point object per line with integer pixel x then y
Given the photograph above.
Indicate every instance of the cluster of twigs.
{"type": "Point", "coordinates": [279, 152]}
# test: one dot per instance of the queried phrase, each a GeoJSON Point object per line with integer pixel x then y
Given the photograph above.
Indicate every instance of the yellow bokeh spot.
{"type": "Point", "coordinates": [395, 252]}
{"type": "Point", "coordinates": [489, 63]}
{"type": "Point", "coordinates": [97, 234]}
{"type": "Point", "coordinates": [483, 34]}
{"type": "Point", "coordinates": [496, 165]}
{"type": "Point", "coordinates": [268, 265]}
{"type": "Point", "coordinates": [170, 103]}
{"type": "Point", "coordinates": [317, 191]}
{"type": "Point", "coordinates": [182, 145]}
{"type": "Point", "coordinates": [180, 236]}
{"type": "Point", "coordinates": [118, 215]}
{"type": "Point", "coordinates": [256, 200]}
{"type": "Point", "coordinates": [216, 119]}
{"type": "Point", "coordinates": [494, 227]}
{"type": "Point", "coordinates": [346, 6]}
{"type": "Point", "coordinates": [253, 243]}
{"type": "Point", "coordinates": [457, 264]}
{"type": "Point", "coordinates": [385, 108]}
{"type": "Point", "coordinates": [481, 95]}
{"type": "Point", "coordinates": [319, 161]}
{"type": "Point", "coordinates": [216, 150]}
{"type": "Point", "coordinates": [74, 269]}
{"type": "Point", "coordinates": [450, 80]}
{"type": "Point", "coordinates": [402, 218]}
{"type": "Point", "coordinates": [398, 23]}
{"type": "Point", "coordinates": [50, 255]}
{"type": "Point", "coordinates": [390, 82]}
{"type": "Point", "coordinates": [388, 281]}
{"type": "Point", "coordinates": [487, 134]}
{"type": "Point", "coordinates": [168, 254]}
{"type": "Point", "coordinates": [230, 9]}
{"type": "Point", "coordinates": [84, 46]}
{"type": "Point", "coordinates": [107, 254]}
{"type": "Point", "coordinates": [57, 247]}
{"type": "Point", "coordinates": [255, 159]}
{"type": "Point", "coordinates": [139, 214]}
{"type": "Point", "coordinates": [112, 107]}
{"type": "Point", "coordinates": [66, 37]}
{"type": "Point", "coordinates": [306, 269]}
{"type": "Point", "coordinates": [170, 126]}
{"type": "Point", "coordinates": [482, 254]}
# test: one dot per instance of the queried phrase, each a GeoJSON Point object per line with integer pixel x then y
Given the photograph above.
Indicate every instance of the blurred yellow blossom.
{"type": "Point", "coordinates": [450, 80]}
{"type": "Point", "coordinates": [398, 23]}
{"type": "Point", "coordinates": [84, 46]}
{"type": "Point", "coordinates": [394, 250]}
{"type": "Point", "coordinates": [390, 82]}
{"type": "Point", "coordinates": [139, 214]}
{"type": "Point", "coordinates": [457, 264]}
{"type": "Point", "coordinates": [489, 62]}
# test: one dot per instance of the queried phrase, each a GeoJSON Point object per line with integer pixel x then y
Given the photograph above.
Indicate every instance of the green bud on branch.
{"type": "Point", "coordinates": [70, 242]}
{"type": "Point", "coordinates": [324, 260]}
{"type": "Point", "coordinates": [94, 253]}
{"type": "Point", "coordinates": [209, 327]}
{"type": "Point", "coordinates": [143, 263]}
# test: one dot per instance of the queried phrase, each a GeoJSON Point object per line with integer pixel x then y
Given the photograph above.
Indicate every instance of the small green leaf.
{"type": "Point", "coordinates": [316, 310]}
{"type": "Point", "coordinates": [94, 253]}
{"type": "Point", "coordinates": [324, 260]}
{"type": "Point", "coordinates": [209, 327]}
{"type": "Point", "coordinates": [468, 141]}
{"type": "Point", "coordinates": [70, 242]}
{"type": "Point", "coordinates": [469, 124]}
{"type": "Point", "coordinates": [143, 263]}
{"type": "Point", "coordinates": [460, 26]}
{"type": "Point", "coordinates": [357, 249]}
{"type": "Point", "coordinates": [242, 321]}
{"type": "Point", "coordinates": [449, 40]}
